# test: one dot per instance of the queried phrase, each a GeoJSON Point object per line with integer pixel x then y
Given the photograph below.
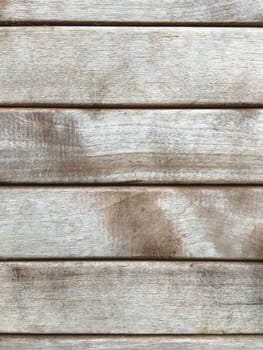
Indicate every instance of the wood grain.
{"type": "Point", "coordinates": [131, 343]}
{"type": "Point", "coordinates": [145, 146]}
{"type": "Point", "coordinates": [131, 297]}
{"type": "Point", "coordinates": [166, 11]}
{"type": "Point", "coordinates": [131, 66]}
{"type": "Point", "coordinates": [128, 222]}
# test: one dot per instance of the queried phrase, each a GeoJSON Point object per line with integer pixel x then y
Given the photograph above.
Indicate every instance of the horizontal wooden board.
{"type": "Point", "coordinates": [131, 297]}
{"type": "Point", "coordinates": [167, 11]}
{"type": "Point", "coordinates": [131, 343]}
{"type": "Point", "coordinates": [131, 66]}
{"type": "Point", "coordinates": [146, 146]}
{"type": "Point", "coordinates": [131, 222]}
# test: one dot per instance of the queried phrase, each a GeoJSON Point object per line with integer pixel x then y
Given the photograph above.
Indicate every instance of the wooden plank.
{"type": "Point", "coordinates": [142, 297]}
{"type": "Point", "coordinates": [131, 343]}
{"type": "Point", "coordinates": [131, 66]}
{"type": "Point", "coordinates": [166, 11]}
{"type": "Point", "coordinates": [128, 222]}
{"type": "Point", "coordinates": [146, 146]}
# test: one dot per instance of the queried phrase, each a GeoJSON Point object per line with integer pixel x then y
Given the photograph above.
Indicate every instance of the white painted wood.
{"type": "Point", "coordinates": [131, 297]}
{"type": "Point", "coordinates": [131, 222]}
{"type": "Point", "coordinates": [167, 11]}
{"type": "Point", "coordinates": [131, 343]}
{"type": "Point", "coordinates": [147, 146]}
{"type": "Point", "coordinates": [124, 65]}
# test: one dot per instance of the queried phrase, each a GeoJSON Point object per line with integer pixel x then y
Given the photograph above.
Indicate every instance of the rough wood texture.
{"type": "Point", "coordinates": [166, 11]}
{"type": "Point", "coordinates": [131, 343]}
{"type": "Point", "coordinates": [147, 146]}
{"type": "Point", "coordinates": [124, 65]}
{"type": "Point", "coordinates": [131, 297]}
{"type": "Point", "coordinates": [131, 222]}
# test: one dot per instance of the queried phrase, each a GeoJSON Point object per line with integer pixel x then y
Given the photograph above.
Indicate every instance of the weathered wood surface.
{"type": "Point", "coordinates": [131, 343]}
{"type": "Point", "coordinates": [147, 146]}
{"type": "Point", "coordinates": [124, 66]}
{"type": "Point", "coordinates": [131, 297]}
{"type": "Point", "coordinates": [166, 11]}
{"type": "Point", "coordinates": [131, 222]}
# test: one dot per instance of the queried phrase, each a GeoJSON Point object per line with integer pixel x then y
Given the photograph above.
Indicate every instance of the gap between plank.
{"type": "Point", "coordinates": [123, 335]}
{"type": "Point", "coordinates": [131, 184]}
{"type": "Point", "coordinates": [154, 106]}
{"type": "Point", "coordinates": [156, 24]}
{"type": "Point", "coordinates": [131, 260]}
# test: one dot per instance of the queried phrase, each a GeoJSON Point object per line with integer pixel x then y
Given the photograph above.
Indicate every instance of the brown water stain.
{"type": "Point", "coordinates": [40, 283]}
{"type": "Point", "coordinates": [25, 274]}
{"type": "Point", "coordinates": [52, 145]}
{"type": "Point", "coordinates": [139, 227]}
{"type": "Point", "coordinates": [56, 147]}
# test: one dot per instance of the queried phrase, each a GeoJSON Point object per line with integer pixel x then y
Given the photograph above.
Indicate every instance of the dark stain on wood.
{"type": "Point", "coordinates": [55, 147]}
{"type": "Point", "coordinates": [54, 139]}
{"type": "Point", "coordinates": [40, 283]}
{"type": "Point", "coordinates": [24, 274]}
{"type": "Point", "coordinates": [140, 227]}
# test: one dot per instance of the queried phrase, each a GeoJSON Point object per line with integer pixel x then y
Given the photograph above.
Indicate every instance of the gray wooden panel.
{"type": "Point", "coordinates": [131, 343]}
{"type": "Point", "coordinates": [131, 297]}
{"type": "Point", "coordinates": [180, 11]}
{"type": "Point", "coordinates": [146, 146]}
{"type": "Point", "coordinates": [131, 222]}
{"type": "Point", "coordinates": [131, 66]}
